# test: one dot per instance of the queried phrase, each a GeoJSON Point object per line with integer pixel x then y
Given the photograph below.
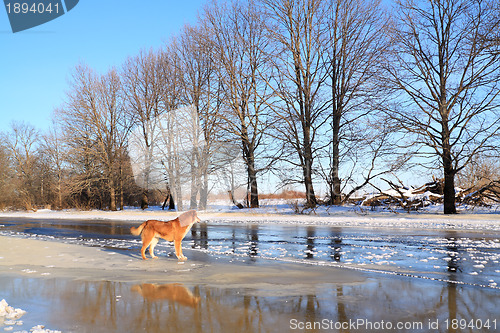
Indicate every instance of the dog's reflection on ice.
{"type": "Point", "coordinates": [174, 292]}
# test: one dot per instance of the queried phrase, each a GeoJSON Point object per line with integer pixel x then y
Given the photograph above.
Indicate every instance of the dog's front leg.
{"type": "Point", "coordinates": [178, 250]}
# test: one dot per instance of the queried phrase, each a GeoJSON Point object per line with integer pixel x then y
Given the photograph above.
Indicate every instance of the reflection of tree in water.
{"type": "Point", "coordinates": [453, 269]}
{"type": "Point", "coordinates": [341, 308]}
{"type": "Point", "coordinates": [312, 308]}
{"type": "Point", "coordinates": [336, 244]}
{"type": "Point", "coordinates": [311, 233]}
{"type": "Point", "coordinates": [452, 251]}
{"type": "Point", "coordinates": [99, 302]}
{"type": "Point", "coordinates": [199, 235]}
{"type": "Point", "coordinates": [113, 306]}
{"type": "Point", "coordinates": [234, 240]}
{"type": "Point", "coordinates": [253, 237]}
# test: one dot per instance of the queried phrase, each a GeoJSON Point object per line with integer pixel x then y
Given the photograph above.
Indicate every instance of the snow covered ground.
{"type": "Point", "coordinates": [279, 211]}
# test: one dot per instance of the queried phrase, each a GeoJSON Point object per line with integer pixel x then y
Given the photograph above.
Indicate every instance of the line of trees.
{"type": "Point", "coordinates": [323, 93]}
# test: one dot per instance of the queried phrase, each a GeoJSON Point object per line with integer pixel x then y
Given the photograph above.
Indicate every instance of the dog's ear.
{"type": "Point", "coordinates": [187, 218]}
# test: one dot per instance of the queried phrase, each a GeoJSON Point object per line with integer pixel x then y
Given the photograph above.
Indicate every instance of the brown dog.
{"type": "Point", "coordinates": [174, 230]}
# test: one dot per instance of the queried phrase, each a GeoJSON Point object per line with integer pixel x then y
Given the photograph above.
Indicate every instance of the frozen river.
{"type": "Point", "coordinates": [462, 257]}
{"type": "Point", "coordinates": [435, 280]}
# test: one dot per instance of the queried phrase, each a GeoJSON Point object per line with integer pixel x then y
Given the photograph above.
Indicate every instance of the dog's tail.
{"type": "Point", "coordinates": [137, 231]}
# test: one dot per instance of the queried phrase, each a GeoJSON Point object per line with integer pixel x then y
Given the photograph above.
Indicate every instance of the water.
{"type": "Point", "coordinates": [107, 306]}
{"type": "Point", "coordinates": [462, 257]}
{"type": "Point", "coordinates": [423, 281]}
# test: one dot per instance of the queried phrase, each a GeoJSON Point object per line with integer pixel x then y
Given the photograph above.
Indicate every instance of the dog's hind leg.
{"type": "Point", "coordinates": [147, 239]}
{"type": "Point", "coordinates": [143, 251]}
{"type": "Point", "coordinates": [152, 247]}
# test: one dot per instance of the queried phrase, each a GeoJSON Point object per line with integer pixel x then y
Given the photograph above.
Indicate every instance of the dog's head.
{"type": "Point", "coordinates": [188, 218]}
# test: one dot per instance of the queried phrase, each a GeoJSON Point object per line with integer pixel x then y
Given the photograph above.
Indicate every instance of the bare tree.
{"type": "Point", "coordinates": [194, 50]}
{"type": "Point", "coordinates": [479, 172]}
{"type": "Point", "coordinates": [55, 155]}
{"type": "Point", "coordinates": [171, 99]}
{"type": "Point", "coordinates": [22, 142]}
{"type": "Point", "coordinates": [143, 84]}
{"type": "Point", "coordinates": [446, 75]}
{"type": "Point", "coordinates": [240, 47]}
{"type": "Point", "coordinates": [95, 124]}
{"type": "Point", "coordinates": [7, 175]}
{"type": "Point", "coordinates": [296, 29]}
{"type": "Point", "coordinates": [356, 40]}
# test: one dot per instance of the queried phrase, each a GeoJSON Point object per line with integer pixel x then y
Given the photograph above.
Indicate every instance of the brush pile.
{"type": "Point", "coordinates": [413, 198]}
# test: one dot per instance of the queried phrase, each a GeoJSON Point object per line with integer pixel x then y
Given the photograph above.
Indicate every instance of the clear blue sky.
{"type": "Point", "coordinates": [35, 64]}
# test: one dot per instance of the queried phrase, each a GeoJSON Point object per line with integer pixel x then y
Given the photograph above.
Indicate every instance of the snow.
{"type": "Point", "coordinates": [9, 317]}
{"type": "Point", "coordinates": [9, 313]}
{"type": "Point", "coordinates": [282, 212]}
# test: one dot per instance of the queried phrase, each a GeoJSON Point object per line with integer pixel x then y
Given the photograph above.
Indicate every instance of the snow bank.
{"type": "Point", "coordinates": [9, 317]}
{"type": "Point", "coordinates": [8, 312]}
{"type": "Point", "coordinates": [278, 212]}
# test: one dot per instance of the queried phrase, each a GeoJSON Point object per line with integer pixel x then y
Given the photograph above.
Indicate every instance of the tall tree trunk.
{"type": "Point", "coordinates": [310, 196]}
{"type": "Point", "coordinates": [252, 178]}
{"type": "Point", "coordinates": [177, 187]}
{"type": "Point", "coordinates": [449, 171]}
{"type": "Point", "coordinates": [144, 200]}
{"type": "Point", "coordinates": [59, 191]}
{"type": "Point", "coordinates": [193, 204]}
{"type": "Point", "coordinates": [449, 184]}
{"type": "Point", "coordinates": [171, 204]}
{"type": "Point", "coordinates": [249, 158]}
{"type": "Point", "coordinates": [170, 199]}
{"type": "Point", "coordinates": [121, 187]}
{"type": "Point", "coordinates": [307, 166]}
{"type": "Point", "coordinates": [335, 195]}
{"type": "Point", "coordinates": [204, 191]}
{"type": "Point", "coordinates": [112, 195]}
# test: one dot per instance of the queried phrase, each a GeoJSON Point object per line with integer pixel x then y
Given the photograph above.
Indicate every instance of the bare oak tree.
{"type": "Point", "coordinates": [171, 97]}
{"type": "Point", "coordinates": [7, 175]}
{"type": "Point", "coordinates": [296, 29]}
{"type": "Point", "coordinates": [240, 49]}
{"type": "Point", "coordinates": [22, 142]}
{"type": "Point", "coordinates": [356, 40]}
{"type": "Point", "coordinates": [194, 51]}
{"type": "Point", "coordinates": [55, 154]}
{"type": "Point", "coordinates": [143, 85]}
{"type": "Point", "coordinates": [95, 125]}
{"type": "Point", "coordinates": [446, 75]}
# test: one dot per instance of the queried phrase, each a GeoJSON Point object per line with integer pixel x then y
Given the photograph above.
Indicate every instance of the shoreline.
{"type": "Point", "coordinates": [51, 259]}
{"type": "Point", "coordinates": [340, 218]}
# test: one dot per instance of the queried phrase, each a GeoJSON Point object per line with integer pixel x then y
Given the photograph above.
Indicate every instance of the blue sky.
{"type": "Point", "coordinates": [35, 64]}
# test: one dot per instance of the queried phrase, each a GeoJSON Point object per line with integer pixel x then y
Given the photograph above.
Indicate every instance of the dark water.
{"type": "Point", "coordinates": [418, 281]}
